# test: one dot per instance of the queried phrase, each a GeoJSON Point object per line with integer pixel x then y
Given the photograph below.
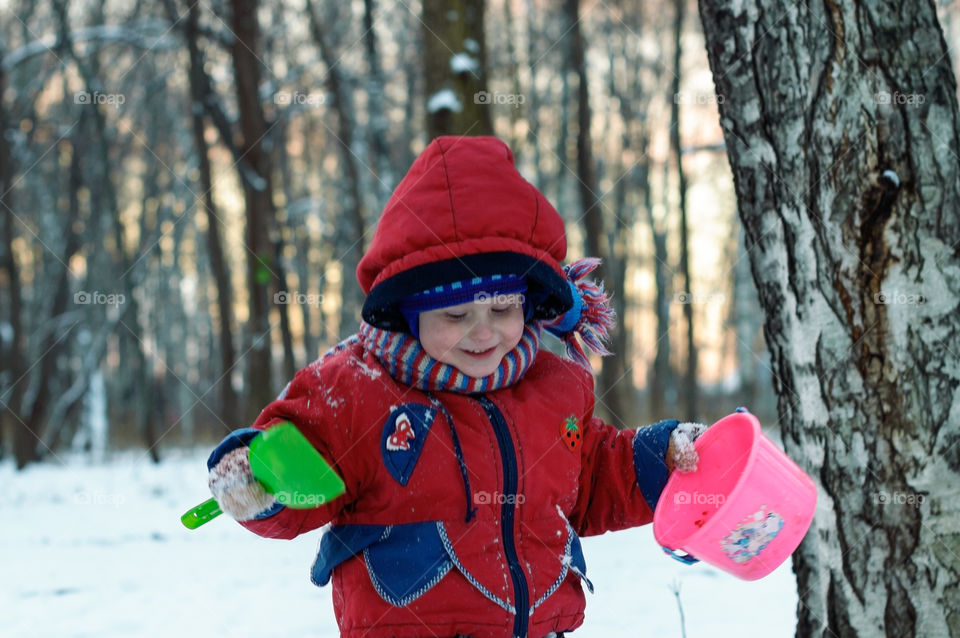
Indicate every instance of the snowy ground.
{"type": "Point", "coordinates": [99, 551]}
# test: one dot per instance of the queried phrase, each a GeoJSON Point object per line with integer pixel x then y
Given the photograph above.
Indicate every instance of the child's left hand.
{"type": "Point", "coordinates": [681, 455]}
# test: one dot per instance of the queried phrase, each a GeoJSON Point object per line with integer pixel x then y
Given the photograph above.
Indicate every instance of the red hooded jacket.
{"type": "Point", "coordinates": [462, 513]}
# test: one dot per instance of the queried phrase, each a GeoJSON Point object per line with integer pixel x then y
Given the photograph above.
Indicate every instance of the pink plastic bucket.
{"type": "Point", "coordinates": [746, 507]}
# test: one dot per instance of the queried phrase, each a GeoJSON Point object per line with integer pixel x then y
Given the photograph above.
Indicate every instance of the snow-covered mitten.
{"type": "Point", "coordinates": [238, 493]}
{"type": "Point", "coordinates": [681, 452]}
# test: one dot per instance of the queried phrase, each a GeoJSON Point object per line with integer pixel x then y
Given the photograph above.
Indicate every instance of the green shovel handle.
{"type": "Point", "coordinates": [202, 513]}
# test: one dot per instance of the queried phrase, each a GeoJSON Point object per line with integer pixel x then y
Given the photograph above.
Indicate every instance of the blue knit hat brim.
{"type": "Point", "coordinates": [548, 293]}
{"type": "Point", "coordinates": [488, 288]}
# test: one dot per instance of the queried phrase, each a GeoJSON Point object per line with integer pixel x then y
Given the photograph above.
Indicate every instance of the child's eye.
{"type": "Point", "coordinates": [452, 316]}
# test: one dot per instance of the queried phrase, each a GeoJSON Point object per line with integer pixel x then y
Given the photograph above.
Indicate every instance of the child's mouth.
{"type": "Point", "coordinates": [480, 355]}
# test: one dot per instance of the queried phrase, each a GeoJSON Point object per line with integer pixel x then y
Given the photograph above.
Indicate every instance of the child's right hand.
{"type": "Point", "coordinates": [237, 492]}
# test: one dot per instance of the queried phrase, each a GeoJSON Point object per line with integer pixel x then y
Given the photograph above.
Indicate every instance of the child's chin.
{"type": "Point", "coordinates": [478, 372]}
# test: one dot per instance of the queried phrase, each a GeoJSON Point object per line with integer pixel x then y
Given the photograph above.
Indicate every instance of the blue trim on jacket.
{"type": "Point", "coordinates": [338, 544]}
{"type": "Point", "coordinates": [403, 561]}
{"type": "Point", "coordinates": [649, 454]}
{"type": "Point", "coordinates": [508, 458]}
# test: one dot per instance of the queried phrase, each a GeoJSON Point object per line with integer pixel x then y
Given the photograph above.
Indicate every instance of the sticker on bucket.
{"type": "Point", "coordinates": [752, 535]}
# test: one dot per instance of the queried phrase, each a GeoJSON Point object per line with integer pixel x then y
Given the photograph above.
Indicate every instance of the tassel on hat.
{"type": "Point", "coordinates": [591, 317]}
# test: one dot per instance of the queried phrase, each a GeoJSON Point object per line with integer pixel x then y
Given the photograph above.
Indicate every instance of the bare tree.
{"type": "Point", "coordinates": [200, 93]}
{"type": "Point", "coordinates": [632, 95]}
{"type": "Point", "coordinates": [690, 377]}
{"type": "Point", "coordinates": [352, 242]}
{"type": "Point", "coordinates": [376, 108]}
{"type": "Point", "coordinates": [841, 125]}
{"type": "Point", "coordinates": [12, 341]}
{"type": "Point", "coordinates": [615, 393]}
{"type": "Point", "coordinates": [257, 194]}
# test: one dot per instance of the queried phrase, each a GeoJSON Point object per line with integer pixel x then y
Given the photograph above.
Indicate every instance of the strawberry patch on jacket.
{"type": "Point", "coordinates": [404, 434]}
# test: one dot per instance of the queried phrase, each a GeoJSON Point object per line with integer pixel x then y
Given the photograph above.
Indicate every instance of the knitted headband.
{"type": "Point", "coordinates": [492, 288]}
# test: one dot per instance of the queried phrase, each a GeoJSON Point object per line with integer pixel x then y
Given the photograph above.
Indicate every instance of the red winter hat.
{"type": "Point", "coordinates": [463, 211]}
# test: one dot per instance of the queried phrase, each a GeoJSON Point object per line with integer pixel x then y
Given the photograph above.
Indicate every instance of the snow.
{"type": "Point", "coordinates": [892, 177]}
{"type": "Point", "coordinates": [254, 179]}
{"type": "Point", "coordinates": [99, 551]}
{"type": "Point", "coordinates": [6, 332]}
{"type": "Point", "coordinates": [463, 63]}
{"type": "Point", "coordinates": [444, 99]}
{"type": "Point", "coordinates": [364, 369]}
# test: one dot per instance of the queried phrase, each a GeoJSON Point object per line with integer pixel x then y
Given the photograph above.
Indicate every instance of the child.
{"type": "Point", "coordinates": [472, 460]}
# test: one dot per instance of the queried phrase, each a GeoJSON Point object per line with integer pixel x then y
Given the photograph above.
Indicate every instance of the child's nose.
{"type": "Point", "coordinates": [482, 330]}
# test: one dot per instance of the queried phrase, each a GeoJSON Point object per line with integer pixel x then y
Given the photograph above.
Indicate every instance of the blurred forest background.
{"type": "Point", "coordinates": [186, 189]}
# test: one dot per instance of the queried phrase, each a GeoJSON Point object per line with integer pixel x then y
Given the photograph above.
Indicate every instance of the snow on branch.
{"type": "Point", "coordinates": [147, 34]}
{"type": "Point", "coordinates": [443, 99]}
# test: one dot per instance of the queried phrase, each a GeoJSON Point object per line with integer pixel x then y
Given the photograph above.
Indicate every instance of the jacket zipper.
{"type": "Point", "coordinates": [508, 511]}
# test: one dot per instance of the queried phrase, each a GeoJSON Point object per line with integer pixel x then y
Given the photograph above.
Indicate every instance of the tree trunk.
{"type": "Point", "coordinates": [259, 205]}
{"type": "Point", "coordinates": [455, 28]}
{"type": "Point", "coordinates": [199, 93]}
{"type": "Point", "coordinates": [841, 126]}
{"type": "Point", "coordinates": [10, 397]}
{"type": "Point", "coordinates": [661, 384]}
{"type": "Point", "coordinates": [377, 113]}
{"type": "Point", "coordinates": [533, 108]}
{"type": "Point", "coordinates": [689, 297]}
{"type": "Point", "coordinates": [36, 398]}
{"type": "Point", "coordinates": [610, 392]}
{"type": "Point", "coordinates": [351, 244]}
{"type": "Point", "coordinates": [37, 402]}
{"type": "Point", "coordinates": [109, 220]}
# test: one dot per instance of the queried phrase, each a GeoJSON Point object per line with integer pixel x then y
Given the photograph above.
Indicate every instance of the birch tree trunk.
{"type": "Point", "coordinates": [840, 121]}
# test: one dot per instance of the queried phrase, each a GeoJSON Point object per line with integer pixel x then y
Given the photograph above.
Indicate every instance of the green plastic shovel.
{"type": "Point", "coordinates": [289, 467]}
